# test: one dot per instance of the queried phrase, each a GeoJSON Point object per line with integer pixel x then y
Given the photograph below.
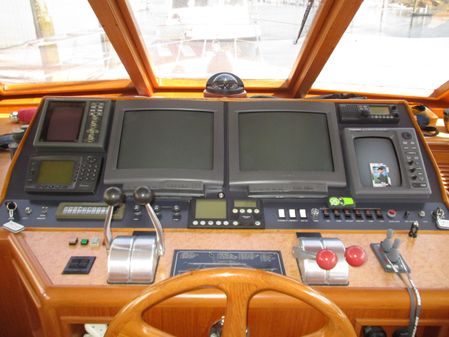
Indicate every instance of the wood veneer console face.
{"type": "Point", "coordinates": [425, 255]}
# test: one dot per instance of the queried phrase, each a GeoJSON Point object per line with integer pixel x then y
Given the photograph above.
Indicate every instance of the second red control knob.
{"type": "Point", "coordinates": [355, 256]}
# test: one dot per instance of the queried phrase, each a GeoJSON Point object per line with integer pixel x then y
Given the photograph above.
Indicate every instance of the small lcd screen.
{"type": "Point", "coordinates": [63, 121]}
{"type": "Point", "coordinates": [172, 139]}
{"type": "Point", "coordinates": [379, 110]}
{"type": "Point", "coordinates": [284, 141]}
{"type": "Point", "coordinates": [245, 203]}
{"type": "Point", "coordinates": [55, 172]}
{"type": "Point", "coordinates": [210, 209]}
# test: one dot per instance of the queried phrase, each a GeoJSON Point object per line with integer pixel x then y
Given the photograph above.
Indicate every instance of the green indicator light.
{"type": "Point", "coordinates": [348, 201]}
{"type": "Point", "coordinates": [334, 201]}
{"type": "Point", "coordinates": [341, 202]}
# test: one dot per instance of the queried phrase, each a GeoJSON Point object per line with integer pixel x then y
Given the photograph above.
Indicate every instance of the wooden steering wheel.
{"type": "Point", "coordinates": [239, 285]}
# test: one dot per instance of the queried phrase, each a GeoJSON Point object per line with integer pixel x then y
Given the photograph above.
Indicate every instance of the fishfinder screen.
{"type": "Point", "coordinates": [63, 121]}
{"type": "Point", "coordinates": [377, 162]}
{"type": "Point", "coordinates": [284, 141]}
{"type": "Point", "coordinates": [167, 139]}
{"type": "Point", "coordinates": [55, 172]}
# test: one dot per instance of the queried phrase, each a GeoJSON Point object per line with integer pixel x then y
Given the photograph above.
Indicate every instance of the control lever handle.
{"type": "Point", "coordinates": [143, 196]}
{"type": "Point", "coordinates": [387, 243]}
{"type": "Point", "coordinates": [394, 254]}
{"type": "Point", "coordinates": [113, 197]}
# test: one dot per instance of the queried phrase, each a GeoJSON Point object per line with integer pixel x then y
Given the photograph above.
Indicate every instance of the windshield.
{"type": "Point", "coordinates": [197, 38]}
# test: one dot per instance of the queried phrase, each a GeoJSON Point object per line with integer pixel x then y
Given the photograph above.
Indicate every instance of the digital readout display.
{"type": "Point", "coordinates": [210, 209]}
{"type": "Point", "coordinates": [55, 172]}
{"type": "Point", "coordinates": [245, 203]}
{"type": "Point", "coordinates": [379, 110]}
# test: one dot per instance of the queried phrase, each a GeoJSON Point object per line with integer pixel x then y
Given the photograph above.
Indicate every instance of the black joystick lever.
{"type": "Point", "coordinates": [143, 196]}
{"type": "Point", "coordinates": [113, 197]}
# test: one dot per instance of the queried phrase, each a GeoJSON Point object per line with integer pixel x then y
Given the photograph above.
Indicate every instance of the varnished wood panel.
{"type": "Point", "coordinates": [50, 248]}
{"type": "Point", "coordinates": [372, 293]}
{"type": "Point", "coordinates": [15, 320]}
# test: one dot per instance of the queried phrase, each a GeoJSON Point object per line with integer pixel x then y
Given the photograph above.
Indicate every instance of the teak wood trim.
{"type": "Point", "coordinates": [131, 24]}
{"type": "Point", "coordinates": [97, 87]}
{"type": "Point", "coordinates": [14, 160]}
{"type": "Point", "coordinates": [431, 102]}
{"type": "Point", "coordinates": [426, 146]}
{"type": "Point", "coordinates": [119, 26]}
{"type": "Point", "coordinates": [328, 28]}
{"type": "Point", "coordinates": [27, 285]}
{"type": "Point", "coordinates": [442, 92]}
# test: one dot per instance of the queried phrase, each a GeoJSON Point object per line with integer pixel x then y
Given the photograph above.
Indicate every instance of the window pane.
{"type": "Point", "coordinates": [393, 47]}
{"type": "Point", "coordinates": [198, 38]}
{"type": "Point", "coordinates": [52, 41]}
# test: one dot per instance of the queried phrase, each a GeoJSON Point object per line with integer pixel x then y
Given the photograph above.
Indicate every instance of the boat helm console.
{"type": "Point", "coordinates": [248, 164]}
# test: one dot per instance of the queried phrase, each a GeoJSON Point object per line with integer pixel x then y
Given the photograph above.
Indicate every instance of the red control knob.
{"type": "Point", "coordinates": [355, 256]}
{"type": "Point", "coordinates": [326, 259]}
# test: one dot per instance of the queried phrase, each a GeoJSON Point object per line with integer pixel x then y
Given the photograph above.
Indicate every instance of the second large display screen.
{"type": "Point", "coordinates": [282, 141]}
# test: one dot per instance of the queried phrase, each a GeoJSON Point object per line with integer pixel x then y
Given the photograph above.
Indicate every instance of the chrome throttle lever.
{"type": "Point", "coordinates": [113, 197]}
{"type": "Point", "coordinates": [143, 196]}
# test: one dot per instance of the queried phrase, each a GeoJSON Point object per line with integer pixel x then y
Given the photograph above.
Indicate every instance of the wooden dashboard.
{"type": "Point", "coordinates": [54, 305]}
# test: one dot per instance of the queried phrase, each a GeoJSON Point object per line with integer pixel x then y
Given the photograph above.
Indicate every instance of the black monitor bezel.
{"type": "Point", "coordinates": [402, 192]}
{"type": "Point", "coordinates": [282, 183]}
{"type": "Point", "coordinates": [168, 182]}
{"type": "Point", "coordinates": [79, 144]}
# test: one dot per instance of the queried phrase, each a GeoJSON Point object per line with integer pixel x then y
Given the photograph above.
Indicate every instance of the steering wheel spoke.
{"type": "Point", "coordinates": [236, 315]}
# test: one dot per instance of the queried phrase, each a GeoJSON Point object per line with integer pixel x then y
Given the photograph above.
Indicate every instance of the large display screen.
{"type": "Point", "coordinates": [154, 139]}
{"type": "Point", "coordinates": [284, 141]}
{"type": "Point", "coordinates": [285, 148]}
{"type": "Point", "coordinates": [175, 147]}
{"type": "Point", "coordinates": [63, 121]}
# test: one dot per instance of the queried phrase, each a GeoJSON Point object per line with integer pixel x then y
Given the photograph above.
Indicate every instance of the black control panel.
{"type": "Point", "coordinates": [222, 213]}
{"type": "Point", "coordinates": [60, 183]}
{"type": "Point", "coordinates": [73, 124]}
{"type": "Point", "coordinates": [95, 114]}
{"type": "Point", "coordinates": [369, 113]}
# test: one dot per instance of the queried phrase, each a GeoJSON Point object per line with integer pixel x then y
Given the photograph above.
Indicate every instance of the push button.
{"type": "Point", "coordinates": [292, 213]}
{"type": "Point", "coordinates": [369, 214]}
{"type": "Point", "coordinates": [379, 214]}
{"type": "Point", "coordinates": [347, 213]}
{"type": "Point", "coordinates": [281, 213]}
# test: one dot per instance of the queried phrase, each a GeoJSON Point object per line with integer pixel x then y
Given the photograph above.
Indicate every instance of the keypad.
{"type": "Point", "coordinates": [93, 123]}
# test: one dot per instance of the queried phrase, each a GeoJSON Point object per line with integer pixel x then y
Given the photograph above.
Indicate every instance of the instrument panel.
{"type": "Point", "coordinates": [253, 164]}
